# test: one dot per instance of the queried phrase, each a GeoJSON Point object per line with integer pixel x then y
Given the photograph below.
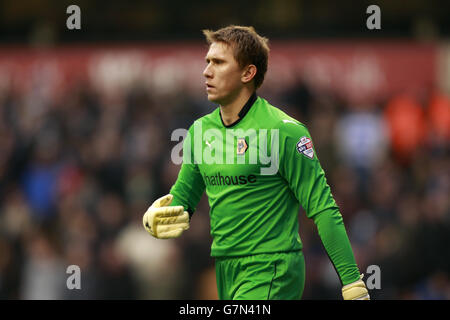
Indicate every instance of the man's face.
{"type": "Point", "coordinates": [222, 73]}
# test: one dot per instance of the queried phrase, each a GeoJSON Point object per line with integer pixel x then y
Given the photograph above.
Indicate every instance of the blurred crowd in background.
{"type": "Point", "coordinates": [79, 170]}
{"type": "Point", "coordinates": [77, 174]}
{"type": "Point", "coordinates": [43, 22]}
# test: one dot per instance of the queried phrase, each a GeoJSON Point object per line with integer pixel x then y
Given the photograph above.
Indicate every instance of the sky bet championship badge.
{"type": "Point", "coordinates": [241, 146]}
{"type": "Point", "coordinates": [305, 146]}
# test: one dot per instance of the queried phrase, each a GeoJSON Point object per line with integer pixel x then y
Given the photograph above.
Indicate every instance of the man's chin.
{"type": "Point", "coordinates": [213, 98]}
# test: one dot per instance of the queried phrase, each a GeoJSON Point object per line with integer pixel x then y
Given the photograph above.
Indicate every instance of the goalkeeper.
{"type": "Point", "coordinates": [254, 203]}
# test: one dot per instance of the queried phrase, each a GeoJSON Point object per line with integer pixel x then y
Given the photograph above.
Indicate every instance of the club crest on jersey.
{"type": "Point", "coordinates": [305, 146]}
{"type": "Point", "coordinates": [241, 146]}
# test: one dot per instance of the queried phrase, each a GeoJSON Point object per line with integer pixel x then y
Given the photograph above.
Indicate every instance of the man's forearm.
{"type": "Point", "coordinates": [334, 237]}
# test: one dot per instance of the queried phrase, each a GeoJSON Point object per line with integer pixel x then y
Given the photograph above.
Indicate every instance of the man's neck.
{"type": "Point", "coordinates": [230, 111]}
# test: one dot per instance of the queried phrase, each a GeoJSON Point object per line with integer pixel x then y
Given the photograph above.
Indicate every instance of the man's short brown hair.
{"type": "Point", "coordinates": [248, 47]}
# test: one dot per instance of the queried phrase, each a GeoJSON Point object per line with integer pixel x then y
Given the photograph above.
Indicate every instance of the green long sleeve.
{"type": "Point", "coordinates": [189, 186]}
{"type": "Point", "coordinates": [306, 178]}
{"type": "Point", "coordinates": [334, 237]}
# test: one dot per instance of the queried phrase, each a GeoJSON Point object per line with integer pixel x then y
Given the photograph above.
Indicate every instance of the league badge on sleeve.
{"type": "Point", "coordinates": [305, 146]}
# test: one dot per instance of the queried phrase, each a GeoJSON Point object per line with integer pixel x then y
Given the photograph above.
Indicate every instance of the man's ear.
{"type": "Point", "coordinates": [248, 73]}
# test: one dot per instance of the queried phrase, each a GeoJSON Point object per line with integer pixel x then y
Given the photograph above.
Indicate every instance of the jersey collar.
{"type": "Point", "coordinates": [243, 111]}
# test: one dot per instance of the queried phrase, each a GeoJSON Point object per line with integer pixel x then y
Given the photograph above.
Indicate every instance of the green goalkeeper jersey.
{"type": "Point", "coordinates": [256, 173]}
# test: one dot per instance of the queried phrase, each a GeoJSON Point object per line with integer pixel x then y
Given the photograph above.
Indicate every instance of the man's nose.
{"type": "Point", "coordinates": [207, 72]}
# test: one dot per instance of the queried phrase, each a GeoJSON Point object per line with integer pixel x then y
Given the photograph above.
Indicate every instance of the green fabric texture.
{"type": "Point", "coordinates": [275, 276]}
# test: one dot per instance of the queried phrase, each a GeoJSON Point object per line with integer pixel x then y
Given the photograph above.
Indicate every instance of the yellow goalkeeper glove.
{"type": "Point", "coordinates": [355, 291]}
{"type": "Point", "coordinates": [164, 222]}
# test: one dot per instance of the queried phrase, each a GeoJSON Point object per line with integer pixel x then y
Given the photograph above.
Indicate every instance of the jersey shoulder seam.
{"type": "Point", "coordinates": [281, 117]}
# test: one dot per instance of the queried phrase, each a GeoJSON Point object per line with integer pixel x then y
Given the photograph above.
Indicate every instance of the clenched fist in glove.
{"type": "Point", "coordinates": [164, 222]}
{"type": "Point", "coordinates": [355, 291]}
